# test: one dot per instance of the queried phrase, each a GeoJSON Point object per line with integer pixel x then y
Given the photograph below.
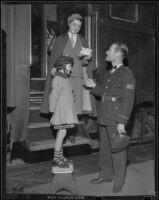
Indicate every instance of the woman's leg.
{"type": "Point", "coordinates": [59, 139]}
{"type": "Point", "coordinates": [58, 154]}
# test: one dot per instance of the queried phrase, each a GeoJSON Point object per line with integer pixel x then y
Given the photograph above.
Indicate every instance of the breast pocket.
{"type": "Point", "coordinates": [116, 89]}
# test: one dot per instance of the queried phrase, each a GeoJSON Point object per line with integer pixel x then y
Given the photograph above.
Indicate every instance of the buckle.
{"type": "Point", "coordinates": [113, 98]}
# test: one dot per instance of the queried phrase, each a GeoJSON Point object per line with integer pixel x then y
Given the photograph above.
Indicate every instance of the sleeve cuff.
{"type": "Point", "coordinates": [122, 119]}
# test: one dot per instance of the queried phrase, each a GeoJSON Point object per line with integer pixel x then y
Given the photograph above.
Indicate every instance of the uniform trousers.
{"type": "Point", "coordinates": [111, 165]}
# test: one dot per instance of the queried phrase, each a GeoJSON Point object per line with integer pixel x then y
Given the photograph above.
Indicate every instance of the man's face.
{"type": "Point", "coordinates": [75, 26]}
{"type": "Point", "coordinates": [112, 53]}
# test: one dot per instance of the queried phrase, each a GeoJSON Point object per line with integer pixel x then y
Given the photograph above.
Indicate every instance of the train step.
{"type": "Point", "coordinates": [37, 84]}
{"type": "Point", "coordinates": [50, 143]}
{"type": "Point", "coordinates": [44, 131]}
{"type": "Point", "coordinates": [36, 117]}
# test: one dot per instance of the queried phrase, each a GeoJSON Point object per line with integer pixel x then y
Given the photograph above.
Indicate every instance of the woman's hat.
{"type": "Point", "coordinates": [74, 16]}
{"type": "Point", "coordinates": [64, 60]}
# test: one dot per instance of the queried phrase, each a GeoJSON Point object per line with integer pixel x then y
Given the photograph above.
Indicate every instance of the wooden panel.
{"type": "Point", "coordinates": [37, 39]}
{"type": "Point", "coordinates": [147, 63]}
{"type": "Point", "coordinates": [22, 70]}
{"type": "Point", "coordinates": [8, 25]}
{"type": "Point", "coordinates": [148, 15]}
{"type": "Point", "coordinates": [21, 112]}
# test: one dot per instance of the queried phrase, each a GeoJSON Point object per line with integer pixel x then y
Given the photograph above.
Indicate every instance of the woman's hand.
{"type": "Point", "coordinates": [85, 61]}
{"type": "Point", "coordinates": [86, 52]}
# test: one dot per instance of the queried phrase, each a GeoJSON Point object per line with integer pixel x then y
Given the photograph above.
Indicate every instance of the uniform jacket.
{"type": "Point", "coordinates": [61, 101]}
{"type": "Point", "coordinates": [57, 51]}
{"type": "Point", "coordinates": [121, 85]}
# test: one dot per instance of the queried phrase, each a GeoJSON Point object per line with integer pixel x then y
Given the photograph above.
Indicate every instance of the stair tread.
{"type": "Point", "coordinates": [38, 79]}
{"type": "Point", "coordinates": [39, 124]}
{"type": "Point", "coordinates": [36, 92]}
{"type": "Point", "coordinates": [44, 124]}
{"type": "Point", "coordinates": [49, 143]}
{"type": "Point", "coordinates": [36, 107]}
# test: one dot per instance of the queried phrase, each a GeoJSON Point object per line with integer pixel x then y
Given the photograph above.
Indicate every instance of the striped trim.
{"type": "Point", "coordinates": [130, 87]}
{"type": "Point", "coordinates": [63, 126]}
{"type": "Point", "coordinates": [123, 116]}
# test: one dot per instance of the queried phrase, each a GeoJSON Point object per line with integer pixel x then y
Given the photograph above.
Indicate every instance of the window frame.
{"type": "Point", "coordinates": [126, 20]}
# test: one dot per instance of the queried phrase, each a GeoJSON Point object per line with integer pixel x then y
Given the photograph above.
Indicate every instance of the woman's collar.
{"type": "Point", "coordinates": [61, 74]}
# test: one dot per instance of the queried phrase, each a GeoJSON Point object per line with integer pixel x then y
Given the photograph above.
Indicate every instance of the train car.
{"type": "Point", "coordinates": [31, 30]}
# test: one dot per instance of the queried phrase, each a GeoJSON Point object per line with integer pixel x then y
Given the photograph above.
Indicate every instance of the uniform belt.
{"type": "Point", "coordinates": [106, 98]}
{"type": "Point", "coordinates": [110, 98]}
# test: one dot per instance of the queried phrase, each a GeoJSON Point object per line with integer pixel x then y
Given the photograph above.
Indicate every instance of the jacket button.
{"type": "Point", "coordinates": [116, 108]}
{"type": "Point", "coordinates": [108, 80]}
{"type": "Point", "coordinates": [106, 86]}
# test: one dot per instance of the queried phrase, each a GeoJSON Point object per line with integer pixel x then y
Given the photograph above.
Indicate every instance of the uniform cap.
{"type": "Point", "coordinates": [74, 16]}
{"type": "Point", "coordinates": [119, 142]}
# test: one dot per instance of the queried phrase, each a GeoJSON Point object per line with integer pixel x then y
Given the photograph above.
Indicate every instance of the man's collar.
{"type": "Point", "coordinates": [117, 66]}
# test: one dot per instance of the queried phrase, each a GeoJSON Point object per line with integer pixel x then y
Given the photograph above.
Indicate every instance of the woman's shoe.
{"type": "Point", "coordinates": [67, 160]}
{"type": "Point", "coordinates": [100, 180]}
{"type": "Point", "coordinates": [60, 163]}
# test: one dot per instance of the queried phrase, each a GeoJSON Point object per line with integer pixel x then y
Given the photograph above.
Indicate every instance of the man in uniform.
{"type": "Point", "coordinates": [117, 91]}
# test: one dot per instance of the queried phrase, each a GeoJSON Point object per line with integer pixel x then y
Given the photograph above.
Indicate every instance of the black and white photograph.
{"type": "Point", "coordinates": [79, 86]}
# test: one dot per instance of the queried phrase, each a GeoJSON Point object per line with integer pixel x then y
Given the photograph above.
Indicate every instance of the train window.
{"type": "Point", "coordinates": [124, 12]}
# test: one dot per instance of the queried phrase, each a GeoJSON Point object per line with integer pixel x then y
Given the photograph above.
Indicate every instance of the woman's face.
{"type": "Point", "coordinates": [68, 68]}
{"type": "Point", "coordinates": [75, 26]}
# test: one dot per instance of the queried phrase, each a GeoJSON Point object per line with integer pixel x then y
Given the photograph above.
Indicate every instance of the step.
{"type": "Point", "coordinates": [40, 151]}
{"type": "Point", "coordinates": [50, 143]}
{"type": "Point", "coordinates": [35, 116]}
{"type": "Point", "coordinates": [35, 103]}
{"type": "Point", "coordinates": [36, 92]}
{"type": "Point", "coordinates": [44, 124]}
{"type": "Point", "coordinates": [35, 108]}
{"type": "Point", "coordinates": [39, 125]}
{"type": "Point", "coordinates": [36, 98]}
{"type": "Point", "coordinates": [42, 131]}
{"type": "Point", "coordinates": [37, 84]}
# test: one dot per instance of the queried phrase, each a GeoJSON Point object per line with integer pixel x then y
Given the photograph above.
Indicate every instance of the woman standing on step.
{"type": "Point", "coordinates": [62, 107]}
{"type": "Point", "coordinates": [70, 44]}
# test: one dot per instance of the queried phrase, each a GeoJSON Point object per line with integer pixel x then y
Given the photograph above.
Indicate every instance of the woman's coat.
{"type": "Point", "coordinates": [57, 51]}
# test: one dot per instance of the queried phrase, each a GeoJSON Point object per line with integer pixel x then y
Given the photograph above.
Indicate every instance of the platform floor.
{"type": "Point", "coordinates": [139, 181]}
{"type": "Point", "coordinates": [36, 178]}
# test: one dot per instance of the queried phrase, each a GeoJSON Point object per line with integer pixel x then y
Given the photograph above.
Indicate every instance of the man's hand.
{"type": "Point", "coordinates": [121, 128]}
{"type": "Point", "coordinates": [89, 83]}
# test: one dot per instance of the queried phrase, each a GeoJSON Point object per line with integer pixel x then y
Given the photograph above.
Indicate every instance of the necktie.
{"type": "Point", "coordinates": [114, 67]}
{"type": "Point", "coordinates": [72, 40]}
